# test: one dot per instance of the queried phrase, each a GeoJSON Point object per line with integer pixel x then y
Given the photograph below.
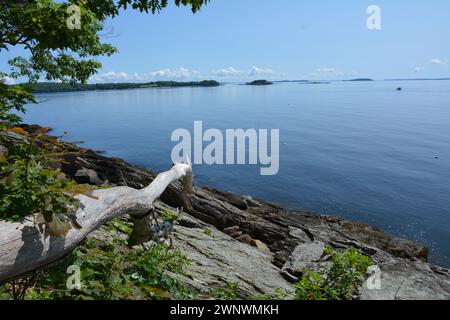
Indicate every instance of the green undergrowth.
{"type": "Point", "coordinates": [169, 215]}
{"type": "Point", "coordinates": [339, 281]}
{"type": "Point", "coordinates": [226, 292]}
{"type": "Point", "coordinates": [120, 225]}
{"type": "Point", "coordinates": [207, 231]}
{"type": "Point", "coordinates": [112, 271]}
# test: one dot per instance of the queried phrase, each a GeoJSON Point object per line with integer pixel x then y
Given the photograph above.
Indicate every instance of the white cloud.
{"type": "Point", "coordinates": [228, 72]}
{"type": "Point", "coordinates": [438, 62]}
{"type": "Point", "coordinates": [260, 71]}
{"type": "Point", "coordinates": [8, 80]}
{"type": "Point", "coordinates": [137, 77]}
{"type": "Point", "coordinates": [169, 74]}
{"type": "Point", "coordinates": [177, 74]}
{"type": "Point", "coordinates": [327, 72]}
{"type": "Point", "coordinates": [163, 74]}
{"type": "Point", "coordinates": [111, 76]}
{"type": "Point", "coordinates": [233, 72]}
{"type": "Point", "coordinates": [121, 76]}
{"type": "Point", "coordinates": [183, 72]}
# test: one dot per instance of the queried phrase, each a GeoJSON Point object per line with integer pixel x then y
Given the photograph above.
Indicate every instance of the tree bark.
{"type": "Point", "coordinates": [26, 246]}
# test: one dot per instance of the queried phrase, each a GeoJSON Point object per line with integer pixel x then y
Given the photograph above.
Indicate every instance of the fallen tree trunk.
{"type": "Point", "coordinates": [26, 246]}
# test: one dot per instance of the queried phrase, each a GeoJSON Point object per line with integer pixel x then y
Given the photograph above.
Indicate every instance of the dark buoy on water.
{"type": "Point", "coordinates": [399, 89]}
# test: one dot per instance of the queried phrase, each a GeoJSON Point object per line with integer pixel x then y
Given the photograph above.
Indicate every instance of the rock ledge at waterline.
{"type": "Point", "coordinates": [264, 247]}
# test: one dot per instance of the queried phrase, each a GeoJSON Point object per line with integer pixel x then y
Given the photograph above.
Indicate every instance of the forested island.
{"type": "Point", "coordinates": [259, 83]}
{"type": "Point", "coordinates": [47, 87]}
{"type": "Point", "coordinates": [360, 79]}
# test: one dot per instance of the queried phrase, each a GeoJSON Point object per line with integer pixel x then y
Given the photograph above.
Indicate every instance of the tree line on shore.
{"type": "Point", "coordinates": [45, 87]}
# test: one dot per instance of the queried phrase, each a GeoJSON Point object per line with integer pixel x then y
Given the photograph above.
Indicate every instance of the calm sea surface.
{"type": "Point", "coordinates": [360, 150]}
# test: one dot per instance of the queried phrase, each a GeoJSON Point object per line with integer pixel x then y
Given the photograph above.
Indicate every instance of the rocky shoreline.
{"type": "Point", "coordinates": [262, 246]}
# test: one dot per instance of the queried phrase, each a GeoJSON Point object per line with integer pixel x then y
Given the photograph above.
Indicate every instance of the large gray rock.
{"type": "Point", "coordinates": [88, 176]}
{"type": "Point", "coordinates": [305, 256]}
{"type": "Point", "coordinates": [218, 259]}
{"type": "Point", "coordinates": [409, 280]}
{"type": "Point", "coordinates": [3, 151]}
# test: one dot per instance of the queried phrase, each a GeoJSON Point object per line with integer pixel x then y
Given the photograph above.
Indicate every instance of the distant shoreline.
{"type": "Point", "coordinates": [360, 79]}
{"type": "Point", "coordinates": [55, 87]}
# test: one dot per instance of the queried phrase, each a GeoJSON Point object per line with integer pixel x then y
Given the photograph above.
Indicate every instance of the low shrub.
{"type": "Point", "coordinates": [337, 282]}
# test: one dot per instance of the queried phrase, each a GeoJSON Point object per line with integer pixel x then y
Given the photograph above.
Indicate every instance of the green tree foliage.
{"type": "Point", "coordinates": [53, 51]}
{"type": "Point", "coordinates": [27, 186]}
{"type": "Point", "coordinates": [56, 52]}
{"type": "Point", "coordinates": [12, 98]}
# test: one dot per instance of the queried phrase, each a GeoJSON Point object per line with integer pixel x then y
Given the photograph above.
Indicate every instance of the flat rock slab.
{"type": "Point", "coordinates": [304, 256]}
{"type": "Point", "coordinates": [406, 280]}
{"type": "Point", "coordinates": [218, 259]}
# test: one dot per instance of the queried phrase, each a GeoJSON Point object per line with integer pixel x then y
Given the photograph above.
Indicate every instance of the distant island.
{"type": "Point", "coordinates": [48, 87]}
{"type": "Point", "coordinates": [315, 82]}
{"type": "Point", "coordinates": [288, 81]}
{"type": "Point", "coordinates": [259, 83]}
{"type": "Point", "coordinates": [360, 79]}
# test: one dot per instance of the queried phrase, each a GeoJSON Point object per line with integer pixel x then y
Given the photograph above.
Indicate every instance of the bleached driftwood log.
{"type": "Point", "coordinates": [27, 246]}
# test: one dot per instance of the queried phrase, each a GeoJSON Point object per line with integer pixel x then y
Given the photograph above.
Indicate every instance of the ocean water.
{"type": "Point", "coordinates": [359, 150]}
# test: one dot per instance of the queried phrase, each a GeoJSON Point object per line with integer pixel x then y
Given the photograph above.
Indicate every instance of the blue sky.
{"type": "Point", "coordinates": [235, 40]}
